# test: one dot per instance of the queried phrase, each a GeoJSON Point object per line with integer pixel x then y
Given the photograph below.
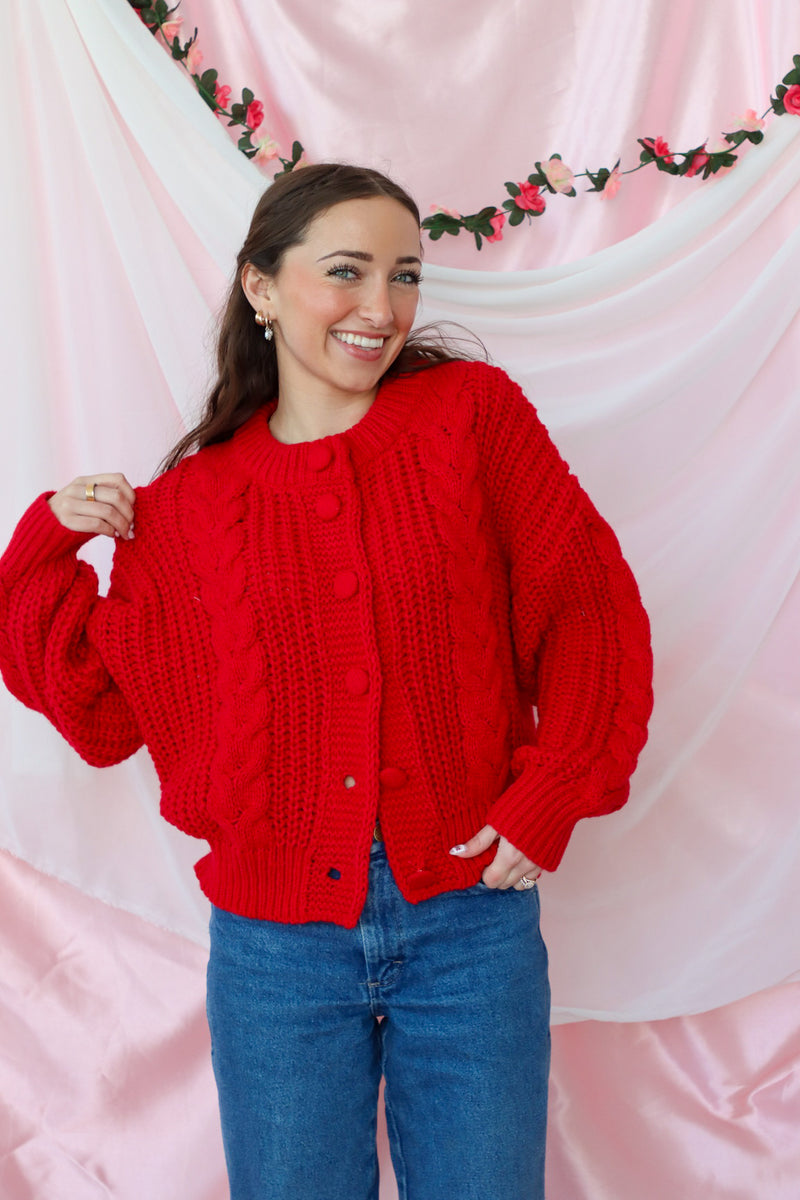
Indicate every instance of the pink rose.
{"type": "Point", "coordinates": [698, 162]}
{"type": "Point", "coordinates": [721, 146]}
{"type": "Point", "coordinates": [750, 122]}
{"type": "Point", "coordinates": [659, 148]}
{"type": "Point", "coordinates": [255, 114]}
{"type": "Point", "coordinates": [497, 222]}
{"type": "Point", "coordinates": [171, 29]}
{"type": "Point", "coordinates": [266, 150]}
{"type": "Point", "coordinates": [613, 184]}
{"type": "Point", "coordinates": [791, 99]}
{"type": "Point", "coordinates": [222, 95]}
{"type": "Point", "coordinates": [448, 212]}
{"type": "Point", "coordinates": [529, 198]}
{"type": "Point", "coordinates": [194, 59]}
{"type": "Point", "coordinates": [559, 176]}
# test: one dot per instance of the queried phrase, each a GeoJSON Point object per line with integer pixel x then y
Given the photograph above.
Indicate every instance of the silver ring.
{"type": "Point", "coordinates": [527, 883]}
{"type": "Point", "coordinates": [90, 491]}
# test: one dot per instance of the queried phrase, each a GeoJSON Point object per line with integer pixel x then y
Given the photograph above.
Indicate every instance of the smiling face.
{"type": "Point", "coordinates": [343, 301]}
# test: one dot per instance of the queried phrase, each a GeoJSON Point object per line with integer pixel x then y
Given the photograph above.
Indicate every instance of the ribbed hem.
{"type": "Point", "coordinates": [288, 885]}
{"type": "Point", "coordinates": [39, 537]}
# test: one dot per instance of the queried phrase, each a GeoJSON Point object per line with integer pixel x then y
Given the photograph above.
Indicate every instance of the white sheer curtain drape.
{"type": "Point", "coordinates": [658, 338]}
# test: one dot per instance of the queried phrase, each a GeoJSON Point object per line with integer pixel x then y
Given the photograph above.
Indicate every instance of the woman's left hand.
{"type": "Point", "coordinates": [509, 867]}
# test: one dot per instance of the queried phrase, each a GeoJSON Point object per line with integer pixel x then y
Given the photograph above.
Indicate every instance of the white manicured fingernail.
{"type": "Point", "coordinates": [458, 849]}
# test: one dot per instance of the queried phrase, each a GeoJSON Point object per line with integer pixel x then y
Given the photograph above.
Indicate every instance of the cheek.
{"type": "Point", "coordinates": [406, 310]}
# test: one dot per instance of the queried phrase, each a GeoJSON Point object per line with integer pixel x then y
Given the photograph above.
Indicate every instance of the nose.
{"type": "Point", "coordinates": [376, 303]}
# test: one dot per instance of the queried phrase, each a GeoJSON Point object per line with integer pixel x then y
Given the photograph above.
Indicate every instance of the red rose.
{"type": "Point", "coordinates": [659, 148]}
{"type": "Point", "coordinates": [222, 95]}
{"type": "Point", "coordinates": [529, 198]}
{"type": "Point", "coordinates": [791, 99]}
{"type": "Point", "coordinates": [698, 162]}
{"type": "Point", "coordinates": [497, 222]}
{"type": "Point", "coordinates": [255, 114]}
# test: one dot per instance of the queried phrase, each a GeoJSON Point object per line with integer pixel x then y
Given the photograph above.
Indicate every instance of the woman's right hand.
{"type": "Point", "coordinates": [110, 512]}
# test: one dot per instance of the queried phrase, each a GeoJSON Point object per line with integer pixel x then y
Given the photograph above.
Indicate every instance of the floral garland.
{"type": "Point", "coordinates": [247, 113]}
{"type": "Point", "coordinates": [526, 198]}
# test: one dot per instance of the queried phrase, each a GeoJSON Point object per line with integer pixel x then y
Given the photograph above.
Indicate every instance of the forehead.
{"type": "Point", "coordinates": [372, 224]}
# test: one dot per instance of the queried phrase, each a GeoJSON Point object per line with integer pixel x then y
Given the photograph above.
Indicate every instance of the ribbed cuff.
{"type": "Point", "coordinates": [38, 537]}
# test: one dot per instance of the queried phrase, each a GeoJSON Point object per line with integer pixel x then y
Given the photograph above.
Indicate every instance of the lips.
{"type": "Point", "coordinates": [359, 339]}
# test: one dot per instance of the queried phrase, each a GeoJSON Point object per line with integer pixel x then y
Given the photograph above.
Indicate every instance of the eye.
{"type": "Point", "coordinates": [343, 271]}
{"type": "Point", "coordinates": [410, 278]}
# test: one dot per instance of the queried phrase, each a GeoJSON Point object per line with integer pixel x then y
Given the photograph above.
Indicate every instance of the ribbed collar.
{"type": "Point", "coordinates": [260, 453]}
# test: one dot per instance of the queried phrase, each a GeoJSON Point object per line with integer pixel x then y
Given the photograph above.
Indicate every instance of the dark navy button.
{"type": "Point", "coordinates": [334, 873]}
{"type": "Point", "coordinates": [393, 777]}
{"type": "Point", "coordinates": [319, 456]}
{"type": "Point", "coordinates": [328, 506]}
{"type": "Point", "coordinates": [345, 584]}
{"type": "Point", "coordinates": [356, 681]}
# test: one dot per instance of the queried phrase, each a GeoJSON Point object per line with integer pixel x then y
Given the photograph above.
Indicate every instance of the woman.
{"type": "Point", "coordinates": [385, 654]}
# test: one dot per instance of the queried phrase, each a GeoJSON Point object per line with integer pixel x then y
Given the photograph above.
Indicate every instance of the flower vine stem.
{"type": "Point", "coordinates": [525, 201]}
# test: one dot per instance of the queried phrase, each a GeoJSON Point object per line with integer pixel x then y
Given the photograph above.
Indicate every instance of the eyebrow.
{"type": "Point", "coordinates": [364, 257]}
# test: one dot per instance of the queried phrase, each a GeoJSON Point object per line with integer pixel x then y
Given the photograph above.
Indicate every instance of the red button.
{"type": "Point", "coordinates": [319, 456]}
{"type": "Point", "coordinates": [328, 506]}
{"type": "Point", "coordinates": [393, 777]}
{"type": "Point", "coordinates": [422, 879]}
{"type": "Point", "coordinates": [345, 584]}
{"type": "Point", "coordinates": [356, 681]}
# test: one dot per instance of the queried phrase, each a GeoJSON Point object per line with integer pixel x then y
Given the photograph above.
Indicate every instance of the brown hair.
{"type": "Point", "coordinates": [246, 363]}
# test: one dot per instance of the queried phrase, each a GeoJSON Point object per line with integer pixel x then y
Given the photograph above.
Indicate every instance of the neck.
{"type": "Point", "coordinates": [295, 421]}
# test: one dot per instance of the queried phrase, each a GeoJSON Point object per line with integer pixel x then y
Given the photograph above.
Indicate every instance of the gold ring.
{"type": "Point", "coordinates": [90, 491]}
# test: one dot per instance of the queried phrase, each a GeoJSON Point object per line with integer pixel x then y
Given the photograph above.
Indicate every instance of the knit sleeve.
{"type": "Point", "coordinates": [49, 658]}
{"type": "Point", "coordinates": [581, 635]}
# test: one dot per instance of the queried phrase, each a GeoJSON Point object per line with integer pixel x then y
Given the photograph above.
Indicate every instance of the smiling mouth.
{"type": "Point", "coordinates": [359, 339]}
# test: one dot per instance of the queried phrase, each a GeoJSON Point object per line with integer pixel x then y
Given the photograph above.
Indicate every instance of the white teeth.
{"type": "Point", "coordinates": [356, 339]}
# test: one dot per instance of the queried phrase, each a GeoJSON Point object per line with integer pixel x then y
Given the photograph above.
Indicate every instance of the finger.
{"type": "Point", "coordinates": [107, 489]}
{"type": "Point", "coordinates": [528, 880]}
{"type": "Point", "coordinates": [477, 844]}
{"type": "Point", "coordinates": [105, 518]}
{"type": "Point", "coordinates": [508, 867]}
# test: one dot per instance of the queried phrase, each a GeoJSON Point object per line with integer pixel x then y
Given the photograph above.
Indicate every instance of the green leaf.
{"type": "Point", "coordinates": [792, 77]}
{"type": "Point", "coordinates": [537, 179]}
{"type": "Point", "coordinates": [247, 97]}
{"type": "Point", "coordinates": [244, 142]}
{"type": "Point", "coordinates": [511, 205]}
{"type": "Point", "coordinates": [433, 234]}
{"type": "Point", "coordinates": [208, 80]}
{"type": "Point", "coordinates": [516, 217]}
{"type": "Point", "coordinates": [297, 152]}
{"type": "Point", "coordinates": [778, 106]}
{"type": "Point", "coordinates": [512, 189]}
{"type": "Point", "coordinates": [478, 241]}
{"type": "Point", "coordinates": [162, 12]}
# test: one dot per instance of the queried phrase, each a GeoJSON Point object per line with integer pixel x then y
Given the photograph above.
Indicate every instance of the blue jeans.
{"type": "Point", "coordinates": [460, 981]}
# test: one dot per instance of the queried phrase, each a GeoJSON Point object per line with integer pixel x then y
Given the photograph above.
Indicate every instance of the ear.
{"type": "Point", "coordinates": [256, 286]}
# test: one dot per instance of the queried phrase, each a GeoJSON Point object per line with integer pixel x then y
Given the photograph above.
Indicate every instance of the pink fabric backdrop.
{"type": "Point", "coordinates": [665, 366]}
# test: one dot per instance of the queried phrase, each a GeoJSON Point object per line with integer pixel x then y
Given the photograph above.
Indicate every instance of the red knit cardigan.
{"type": "Point", "coordinates": [422, 619]}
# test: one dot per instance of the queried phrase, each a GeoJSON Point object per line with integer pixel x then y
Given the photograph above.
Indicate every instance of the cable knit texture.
{"type": "Point", "coordinates": [422, 619]}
